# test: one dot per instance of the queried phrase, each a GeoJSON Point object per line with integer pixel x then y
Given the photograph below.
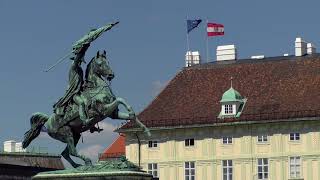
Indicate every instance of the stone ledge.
{"type": "Point", "coordinates": [116, 169]}
{"type": "Point", "coordinates": [120, 175]}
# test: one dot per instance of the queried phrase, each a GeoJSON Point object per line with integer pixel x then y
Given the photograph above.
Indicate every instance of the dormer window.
{"type": "Point", "coordinates": [232, 104]}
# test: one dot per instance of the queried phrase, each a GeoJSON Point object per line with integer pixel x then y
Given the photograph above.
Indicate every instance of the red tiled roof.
{"type": "Point", "coordinates": [275, 88]}
{"type": "Point", "coordinates": [116, 149]}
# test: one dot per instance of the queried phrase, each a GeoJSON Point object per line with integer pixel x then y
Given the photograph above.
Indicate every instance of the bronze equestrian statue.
{"type": "Point", "coordinates": [87, 101]}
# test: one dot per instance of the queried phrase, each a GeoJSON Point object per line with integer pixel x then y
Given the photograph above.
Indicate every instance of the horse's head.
{"type": "Point", "coordinates": [99, 65]}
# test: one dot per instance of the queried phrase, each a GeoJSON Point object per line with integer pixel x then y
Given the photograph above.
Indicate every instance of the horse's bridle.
{"type": "Point", "coordinates": [108, 85]}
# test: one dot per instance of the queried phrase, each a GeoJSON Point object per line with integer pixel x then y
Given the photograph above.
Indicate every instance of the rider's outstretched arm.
{"type": "Point", "coordinates": [79, 56]}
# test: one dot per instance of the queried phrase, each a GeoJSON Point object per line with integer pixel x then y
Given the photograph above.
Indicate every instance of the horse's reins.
{"type": "Point", "coordinates": [101, 88]}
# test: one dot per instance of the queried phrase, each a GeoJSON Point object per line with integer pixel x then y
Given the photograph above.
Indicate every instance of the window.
{"type": "Point", "coordinates": [189, 170]}
{"type": "Point", "coordinates": [262, 138]}
{"type": "Point", "coordinates": [295, 164]}
{"type": "Point", "coordinates": [294, 136]}
{"type": "Point", "coordinates": [189, 142]}
{"type": "Point", "coordinates": [189, 63]}
{"type": "Point", "coordinates": [263, 169]}
{"type": "Point", "coordinates": [227, 169]}
{"type": "Point", "coordinates": [153, 144]}
{"type": "Point", "coordinates": [227, 140]}
{"type": "Point", "coordinates": [153, 169]}
{"type": "Point", "coordinates": [228, 109]}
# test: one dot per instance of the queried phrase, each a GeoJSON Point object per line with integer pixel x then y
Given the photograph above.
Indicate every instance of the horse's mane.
{"type": "Point", "coordinates": [88, 68]}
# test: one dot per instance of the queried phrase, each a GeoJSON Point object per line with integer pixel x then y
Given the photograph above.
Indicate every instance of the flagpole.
{"type": "Point", "coordinates": [188, 46]}
{"type": "Point", "coordinates": [207, 49]}
{"type": "Point", "coordinates": [189, 54]}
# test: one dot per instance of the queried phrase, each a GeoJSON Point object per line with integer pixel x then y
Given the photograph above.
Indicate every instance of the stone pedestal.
{"type": "Point", "coordinates": [120, 175]}
{"type": "Point", "coordinates": [120, 169]}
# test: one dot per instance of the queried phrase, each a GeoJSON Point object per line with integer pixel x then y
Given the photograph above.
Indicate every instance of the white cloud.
{"type": "Point", "coordinates": [95, 143]}
{"type": "Point", "coordinates": [106, 134]}
{"type": "Point", "coordinates": [92, 151]}
{"type": "Point", "coordinates": [157, 87]}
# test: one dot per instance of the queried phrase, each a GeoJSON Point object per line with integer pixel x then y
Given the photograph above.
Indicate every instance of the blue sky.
{"type": "Point", "coordinates": [145, 50]}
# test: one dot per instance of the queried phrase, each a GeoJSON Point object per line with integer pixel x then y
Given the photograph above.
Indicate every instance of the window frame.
{"type": "Point", "coordinates": [263, 141]}
{"type": "Point", "coordinates": [189, 169]}
{"type": "Point", "coordinates": [263, 165]}
{"type": "Point", "coordinates": [153, 143]}
{"type": "Point", "coordinates": [153, 170]}
{"type": "Point", "coordinates": [227, 167]}
{"type": "Point", "coordinates": [228, 139]}
{"type": "Point", "coordinates": [296, 137]}
{"type": "Point", "coordinates": [228, 109]}
{"type": "Point", "coordinates": [187, 142]}
{"type": "Point", "coordinates": [295, 166]}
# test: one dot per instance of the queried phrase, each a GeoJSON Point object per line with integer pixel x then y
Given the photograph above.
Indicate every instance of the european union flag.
{"type": "Point", "coordinates": [191, 24]}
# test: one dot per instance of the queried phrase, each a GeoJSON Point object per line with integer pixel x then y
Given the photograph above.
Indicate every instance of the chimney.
{"type": "Point", "coordinates": [300, 47]}
{"type": "Point", "coordinates": [192, 58]}
{"type": "Point", "coordinates": [257, 57]}
{"type": "Point", "coordinates": [9, 146]}
{"type": "Point", "coordinates": [13, 146]}
{"type": "Point", "coordinates": [226, 52]}
{"type": "Point", "coordinates": [311, 49]}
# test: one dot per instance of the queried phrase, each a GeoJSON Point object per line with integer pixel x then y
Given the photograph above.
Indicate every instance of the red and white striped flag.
{"type": "Point", "coordinates": [214, 29]}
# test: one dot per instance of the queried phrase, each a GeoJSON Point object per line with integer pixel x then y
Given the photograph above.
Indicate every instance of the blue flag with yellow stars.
{"type": "Point", "coordinates": [191, 24]}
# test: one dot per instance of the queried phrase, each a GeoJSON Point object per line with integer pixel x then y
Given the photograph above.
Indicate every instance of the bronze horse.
{"type": "Point", "coordinates": [100, 103]}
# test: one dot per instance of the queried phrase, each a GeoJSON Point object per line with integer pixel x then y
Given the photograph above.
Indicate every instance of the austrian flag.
{"type": "Point", "coordinates": [214, 29]}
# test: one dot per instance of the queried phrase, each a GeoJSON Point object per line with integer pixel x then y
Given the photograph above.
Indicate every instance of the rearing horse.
{"type": "Point", "coordinates": [100, 103]}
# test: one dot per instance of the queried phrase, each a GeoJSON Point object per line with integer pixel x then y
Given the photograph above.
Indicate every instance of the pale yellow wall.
{"type": "Point", "coordinates": [209, 151]}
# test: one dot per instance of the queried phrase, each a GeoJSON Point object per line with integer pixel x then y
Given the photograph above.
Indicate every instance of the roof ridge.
{"type": "Point", "coordinates": [273, 59]}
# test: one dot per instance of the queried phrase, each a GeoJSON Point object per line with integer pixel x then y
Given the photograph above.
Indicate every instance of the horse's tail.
{"type": "Point", "coordinates": [37, 120]}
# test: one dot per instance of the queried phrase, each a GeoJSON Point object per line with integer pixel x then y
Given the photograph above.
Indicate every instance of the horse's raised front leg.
{"type": "Point", "coordinates": [131, 115]}
{"type": "Point", "coordinates": [131, 112]}
{"type": "Point", "coordinates": [111, 111]}
{"type": "Point", "coordinates": [108, 109]}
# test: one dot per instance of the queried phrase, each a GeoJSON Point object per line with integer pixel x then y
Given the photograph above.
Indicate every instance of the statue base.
{"type": "Point", "coordinates": [119, 169]}
{"type": "Point", "coordinates": [120, 175]}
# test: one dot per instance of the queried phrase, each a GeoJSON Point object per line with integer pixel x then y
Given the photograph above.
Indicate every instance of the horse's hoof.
{"type": "Point", "coordinates": [132, 116]}
{"type": "Point", "coordinates": [147, 131]}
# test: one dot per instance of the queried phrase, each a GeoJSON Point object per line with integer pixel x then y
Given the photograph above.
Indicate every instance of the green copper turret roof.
{"type": "Point", "coordinates": [231, 95]}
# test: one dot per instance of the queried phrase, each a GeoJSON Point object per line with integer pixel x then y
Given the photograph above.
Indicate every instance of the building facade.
{"type": "Point", "coordinates": [284, 150]}
{"type": "Point", "coordinates": [234, 119]}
